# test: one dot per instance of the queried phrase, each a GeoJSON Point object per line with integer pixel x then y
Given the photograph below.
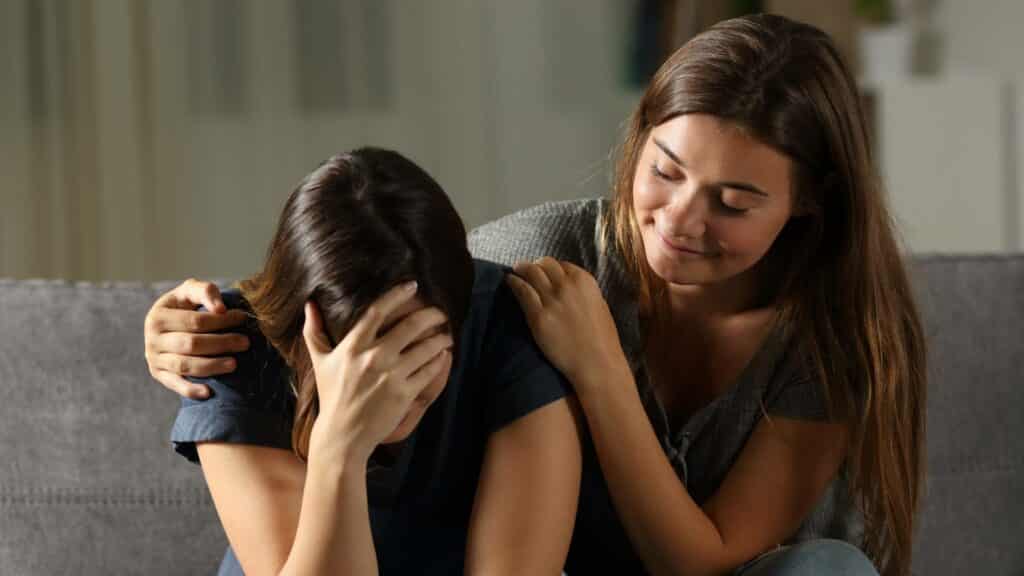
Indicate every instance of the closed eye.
{"type": "Point", "coordinates": [663, 176]}
{"type": "Point", "coordinates": [731, 209]}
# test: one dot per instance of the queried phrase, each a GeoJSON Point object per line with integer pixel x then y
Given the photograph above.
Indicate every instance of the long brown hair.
{"type": "Point", "coordinates": [361, 223]}
{"type": "Point", "coordinates": [836, 271]}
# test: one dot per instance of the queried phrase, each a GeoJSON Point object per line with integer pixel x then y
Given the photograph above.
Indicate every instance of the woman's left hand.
{"type": "Point", "coordinates": [569, 319]}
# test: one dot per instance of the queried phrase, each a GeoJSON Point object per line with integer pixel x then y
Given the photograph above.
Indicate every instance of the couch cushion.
{"type": "Point", "coordinates": [972, 517]}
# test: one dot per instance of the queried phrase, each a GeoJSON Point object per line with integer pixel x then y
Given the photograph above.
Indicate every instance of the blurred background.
{"type": "Point", "coordinates": [158, 139]}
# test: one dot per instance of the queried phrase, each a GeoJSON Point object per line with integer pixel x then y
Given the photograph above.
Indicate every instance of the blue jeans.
{"type": "Point", "coordinates": [821, 557]}
{"type": "Point", "coordinates": [229, 565]}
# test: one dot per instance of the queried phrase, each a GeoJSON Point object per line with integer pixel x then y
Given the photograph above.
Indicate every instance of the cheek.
{"type": "Point", "coordinates": [645, 196]}
{"type": "Point", "coordinates": [419, 407]}
{"type": "Point", "coordinates": [747, 239]}
{"type": "Point", "coordinates": [434, 389]}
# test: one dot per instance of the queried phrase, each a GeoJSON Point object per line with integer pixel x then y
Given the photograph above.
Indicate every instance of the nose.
{"type": "Point", "coordinates": [685, 215]}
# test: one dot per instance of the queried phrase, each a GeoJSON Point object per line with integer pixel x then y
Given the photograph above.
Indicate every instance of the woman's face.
{"type": "Point", "coordinates": [433, 389]}
{"type": "Point", "coordinates": [709, 200]}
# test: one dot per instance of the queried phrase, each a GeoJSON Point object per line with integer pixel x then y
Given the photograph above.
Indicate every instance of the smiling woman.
{"type": "Point", "coordinates": [707, 192]}
{"type": "Point", "coordinates": [763, 381]}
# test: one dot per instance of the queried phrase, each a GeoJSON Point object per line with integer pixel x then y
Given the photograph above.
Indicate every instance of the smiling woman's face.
{"type": "Point", "coordinates": [709, 200]}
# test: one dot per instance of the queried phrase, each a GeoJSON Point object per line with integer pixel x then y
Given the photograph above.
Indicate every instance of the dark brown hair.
{"type": "Point", "coordinates": [836, 271]}
{"type": "Point", "coordinates": [360, 224]}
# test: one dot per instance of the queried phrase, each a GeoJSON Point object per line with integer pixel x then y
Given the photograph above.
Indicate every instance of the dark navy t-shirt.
{"type": "Point", "coordinates": [420, 502]}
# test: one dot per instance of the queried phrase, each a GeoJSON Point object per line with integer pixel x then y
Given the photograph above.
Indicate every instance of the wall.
{"type": "Point", "coordinates": [148, 139]}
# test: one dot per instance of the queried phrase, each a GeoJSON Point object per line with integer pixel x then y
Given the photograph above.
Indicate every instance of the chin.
{"type": "Point", "coordinates": [681, 273]}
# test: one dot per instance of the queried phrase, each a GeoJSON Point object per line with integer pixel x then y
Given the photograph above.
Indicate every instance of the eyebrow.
{"type": "Point", "coordinates": [735, 185]}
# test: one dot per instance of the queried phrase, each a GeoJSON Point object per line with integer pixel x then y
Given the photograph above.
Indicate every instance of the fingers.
{"type": "Point", "coordinates": [578, 276]}
{"type": "Point", "coordinates": [527, 296]}
{"type": "Point", "coordinates": [192, 293]}
{"type": "Point", "coordinates": [189, 344]}
{"type": "Point", "coordinates": [552, 269]}
{"type": "Point", "coordinates": [180, 386]}
{"type": "Point", "coordinates": [313, 333]}
{"type": "Point", "coordinates": [418, 325]}
{"type": "Point", "coordinates": [422, 378]}
{"type": "Point", "coordinates": [364, 333]}
{"type": "Point", "coordinates": [196, 366]}
{"type": "Point", "coordinates": [572, 270]}
{"type": "Point", "coordinates": [533, 274]}
{"type": "Point", "coordinates": [422, 353]}
{"type": "Point", "coordinates": [177, 320]}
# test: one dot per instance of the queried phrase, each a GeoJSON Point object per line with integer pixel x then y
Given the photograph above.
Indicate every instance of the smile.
{"type": "Point", "coordinates": [680, 249]}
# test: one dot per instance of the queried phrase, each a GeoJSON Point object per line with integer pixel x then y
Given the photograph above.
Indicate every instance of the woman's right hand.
{"type": "Point", "coordinates": [368, 382]}
{"type": "Point", "coordinates": [179, 339]}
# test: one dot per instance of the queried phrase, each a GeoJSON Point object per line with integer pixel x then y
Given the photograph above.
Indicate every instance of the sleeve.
{"type": "Point", "coordinates": [521, 378]}
{"type": "Point", "coordinates": [797, 392]}
{"type": "Point", "coordinates": [252, 405]}
{"type": "Point", "coordinates": [562, 230]}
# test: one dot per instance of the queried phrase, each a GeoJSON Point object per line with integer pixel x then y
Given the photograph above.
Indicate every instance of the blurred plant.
{"type": "Point", "coordinates": [882, 12]}
{"type": "Point", "coordinates": [874, 11]}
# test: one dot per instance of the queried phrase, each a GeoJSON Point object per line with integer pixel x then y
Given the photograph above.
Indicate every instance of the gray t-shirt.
{"type": "Point", "coordinates": [702, 449]}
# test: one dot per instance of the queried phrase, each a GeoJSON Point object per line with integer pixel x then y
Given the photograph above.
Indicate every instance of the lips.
{"type": "Point", "coordinates": [679, 247]}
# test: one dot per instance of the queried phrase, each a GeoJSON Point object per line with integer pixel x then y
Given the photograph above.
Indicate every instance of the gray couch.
{"type": "Point", "coordinates": [90, 485]}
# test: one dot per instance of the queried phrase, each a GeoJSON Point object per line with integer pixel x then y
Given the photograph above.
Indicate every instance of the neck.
{"type": "Point", "coordinates": [708, 303]}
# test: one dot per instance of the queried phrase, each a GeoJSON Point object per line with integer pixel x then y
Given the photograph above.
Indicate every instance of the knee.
{"type": "Point", "coordinates": [814, 557]}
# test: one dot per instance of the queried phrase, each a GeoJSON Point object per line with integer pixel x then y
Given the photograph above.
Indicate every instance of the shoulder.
{"type": "Point", "coordinates": [260, 377]}
{"type": "Point", "coordinates": [499, 348]}
{"type": "Point", "coordinates": [492, 303]}
{"type": "Point", "coordinates": [253, 404]}
{"type": "Point", "coordinates": [488, 277]}
{"type": "Point", "coordinates": [233, 300]}
{"type": "Point", "coordinates": [496, 329]}
{"type": "Point", "coordinates": [575, 231]}
{"type": "Point", "coordinates": [566, 230]}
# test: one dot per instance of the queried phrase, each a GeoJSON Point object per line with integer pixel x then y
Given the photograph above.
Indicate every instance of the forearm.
{"type": "Point", "coordinates": [670, 532]}
{"type": "Point", "coordinates": [333, 534]}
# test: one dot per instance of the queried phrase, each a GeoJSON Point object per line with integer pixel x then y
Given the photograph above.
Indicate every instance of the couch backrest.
{"type": "Point", "coordinates": [972, 518]}
{"type": "Point", "coordinates": [88, 481]}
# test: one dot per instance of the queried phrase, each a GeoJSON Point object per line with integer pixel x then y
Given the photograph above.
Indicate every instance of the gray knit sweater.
{"type": "Point", "coordinates": [702, 449]}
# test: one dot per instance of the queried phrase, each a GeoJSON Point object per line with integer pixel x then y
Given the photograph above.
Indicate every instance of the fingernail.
{"type": "Point", "coordinates": [229, 363]}
{"type": "Point", "coordinates": [411, 286]}
{"type": "Point", "coordinates": [203, 393]}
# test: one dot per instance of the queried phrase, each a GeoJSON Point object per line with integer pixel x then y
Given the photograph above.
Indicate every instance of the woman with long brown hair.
{"type": "Point", "coordinates": [393, 414]}
{"type": "Point", "coordinates": [736, 321]}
